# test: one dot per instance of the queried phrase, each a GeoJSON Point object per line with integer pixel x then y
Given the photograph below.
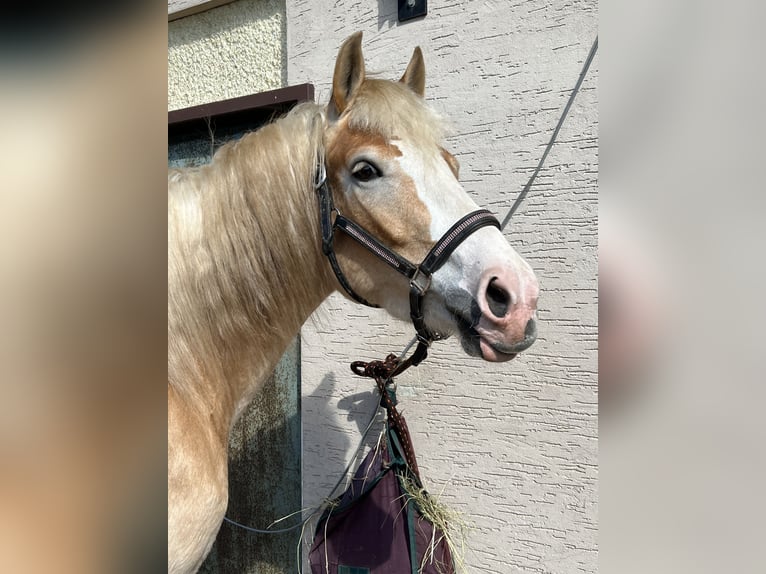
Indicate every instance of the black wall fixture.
{"type": "Point", "coordinates": [409, 9]}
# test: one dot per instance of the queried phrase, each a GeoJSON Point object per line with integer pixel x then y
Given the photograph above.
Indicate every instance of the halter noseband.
{"type": "Point", "coordinates": [419, 275]}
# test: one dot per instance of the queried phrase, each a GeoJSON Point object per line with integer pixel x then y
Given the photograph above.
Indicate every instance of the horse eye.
{"type": "Point", "coordinates": [364, 171]}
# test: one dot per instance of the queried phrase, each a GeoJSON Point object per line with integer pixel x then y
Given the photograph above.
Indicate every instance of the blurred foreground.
{"type": "Point", "coordinates": [681, 237]}
{"type": "Point", "coordinates": [82, 290]}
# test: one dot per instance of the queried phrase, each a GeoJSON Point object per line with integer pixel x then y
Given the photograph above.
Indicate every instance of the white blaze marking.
{"type": "Point", "coordinates": [438, 189]}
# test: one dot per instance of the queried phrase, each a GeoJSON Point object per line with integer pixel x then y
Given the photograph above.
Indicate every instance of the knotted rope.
{"type": "Point", "coordinates": [382, 372]}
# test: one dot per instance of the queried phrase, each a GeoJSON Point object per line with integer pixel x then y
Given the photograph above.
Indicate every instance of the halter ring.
{"type": "Point", "coordinates": [420, 287]}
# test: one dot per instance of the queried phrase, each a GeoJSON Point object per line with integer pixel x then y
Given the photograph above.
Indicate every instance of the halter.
{"type": "Point", "coordinates": [419, 276]}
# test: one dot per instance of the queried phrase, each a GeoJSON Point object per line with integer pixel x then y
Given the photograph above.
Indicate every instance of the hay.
{"type": "Point", "coordinates": [453, 526]}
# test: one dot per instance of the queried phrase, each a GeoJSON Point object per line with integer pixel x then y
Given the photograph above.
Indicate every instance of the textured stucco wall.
{"type": "Point", "coordinates": [514, 445]}
{"type": "Point", "coordinates": [234, 50]}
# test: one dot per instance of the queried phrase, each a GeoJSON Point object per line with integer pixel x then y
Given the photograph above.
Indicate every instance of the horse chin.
{"type": "Point", "coordinates": [492, 354]}
{"type": "Point", "coordinates": [477, 346]}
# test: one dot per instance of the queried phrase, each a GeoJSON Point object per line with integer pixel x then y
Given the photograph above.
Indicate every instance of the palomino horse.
{"type": "Point", "coordinates": [247, 263]}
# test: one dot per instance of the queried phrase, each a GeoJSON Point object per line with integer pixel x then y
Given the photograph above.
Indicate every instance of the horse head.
{"type": "Point", "coordinates": [390, 174]}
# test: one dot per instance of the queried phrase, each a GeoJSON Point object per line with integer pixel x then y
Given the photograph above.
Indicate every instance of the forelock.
{"type": "Point", "coordinates": [394, 111]}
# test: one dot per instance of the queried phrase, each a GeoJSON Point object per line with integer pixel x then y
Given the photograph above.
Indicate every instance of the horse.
{"type": "Point", "coordinates": [252, 253]}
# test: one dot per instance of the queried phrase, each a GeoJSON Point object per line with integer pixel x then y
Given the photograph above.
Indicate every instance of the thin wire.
{"type": "Point", "coordinates": [260, 531]}
{"type": "Point", "coordinates": [572, 96]}
{"type": "Point", "coordinates": [317, 508]}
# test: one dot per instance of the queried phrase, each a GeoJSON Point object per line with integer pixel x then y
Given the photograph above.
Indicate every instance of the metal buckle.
{"type": "Point", "coordinates": [425, 340]}
{"type": "Point", "coordinates": [420, 287]}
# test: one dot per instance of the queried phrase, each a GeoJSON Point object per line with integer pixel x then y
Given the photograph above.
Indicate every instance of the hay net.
{"type": "Point", "coordinates": [386, 522]}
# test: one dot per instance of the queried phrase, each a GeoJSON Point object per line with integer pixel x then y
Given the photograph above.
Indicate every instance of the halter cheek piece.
{"type": "Point", "coordinates": [419, 275]}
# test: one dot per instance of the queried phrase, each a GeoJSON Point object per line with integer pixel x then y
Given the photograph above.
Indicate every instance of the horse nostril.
{"type": "Point", "coordinates": [498, 299]}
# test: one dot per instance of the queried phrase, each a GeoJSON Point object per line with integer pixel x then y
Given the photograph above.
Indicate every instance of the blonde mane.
{"type": "Point", "coordinates": [233, 251]}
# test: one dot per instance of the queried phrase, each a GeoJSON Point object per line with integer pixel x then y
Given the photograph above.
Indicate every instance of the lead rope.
{"type": "Point", "coordinates": [554, 135]}
{"type": "Point", "coordinates": [403, 364]}
{"type": "Point", "coordinates": [383, 372]}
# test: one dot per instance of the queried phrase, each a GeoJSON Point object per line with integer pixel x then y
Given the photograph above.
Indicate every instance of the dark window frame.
{"type": "Point", "coordinates": [261, 107]}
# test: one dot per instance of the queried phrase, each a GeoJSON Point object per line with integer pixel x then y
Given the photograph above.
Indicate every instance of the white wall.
{"type": "Point", "coordinates": [233, 50]}
{"type": "Point", "coordinates": [513, 446]}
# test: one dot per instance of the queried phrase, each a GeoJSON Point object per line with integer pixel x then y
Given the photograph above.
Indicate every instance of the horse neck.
{"type": "Point", "coordinates": [247, 268]}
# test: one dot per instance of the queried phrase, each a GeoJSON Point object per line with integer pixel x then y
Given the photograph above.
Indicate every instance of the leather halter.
{"type": "Point", "coordinates": [419, 276]}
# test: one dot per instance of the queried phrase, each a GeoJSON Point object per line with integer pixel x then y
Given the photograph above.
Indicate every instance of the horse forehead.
{"type": "Point", "coordinates": [347, 141]}
{"type": "Point", "coordinates": [435, 182]}
{"type": "Point", "coordinates": [427, 156]}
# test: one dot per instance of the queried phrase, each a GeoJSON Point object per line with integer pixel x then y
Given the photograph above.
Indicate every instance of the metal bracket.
{"type": "Point", "coordinates": [409, 9]}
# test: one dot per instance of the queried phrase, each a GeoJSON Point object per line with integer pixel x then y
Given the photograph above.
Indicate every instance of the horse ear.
{"type": "Point", "coordinates": [349, 72]}
{"type": "Point", "coordinates": [415, 74]}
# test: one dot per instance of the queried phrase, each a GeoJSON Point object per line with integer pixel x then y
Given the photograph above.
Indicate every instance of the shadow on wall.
{"type": "Point", "coordinates": [388, 13]}
{"type": "Point", "coordinates": [328, 443]}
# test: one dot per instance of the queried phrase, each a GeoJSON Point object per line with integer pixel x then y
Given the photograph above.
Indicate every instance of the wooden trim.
{"type": "Point", "coordinates": [264, 100]}
{"type": "Point", "coordinates": [181, 8]}
{"type": "Point", "coordinates": [256, 109]}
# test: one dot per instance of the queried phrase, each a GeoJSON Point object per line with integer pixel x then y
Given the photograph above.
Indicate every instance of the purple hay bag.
{"type": "Point", "coordinates": [368, 532]}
